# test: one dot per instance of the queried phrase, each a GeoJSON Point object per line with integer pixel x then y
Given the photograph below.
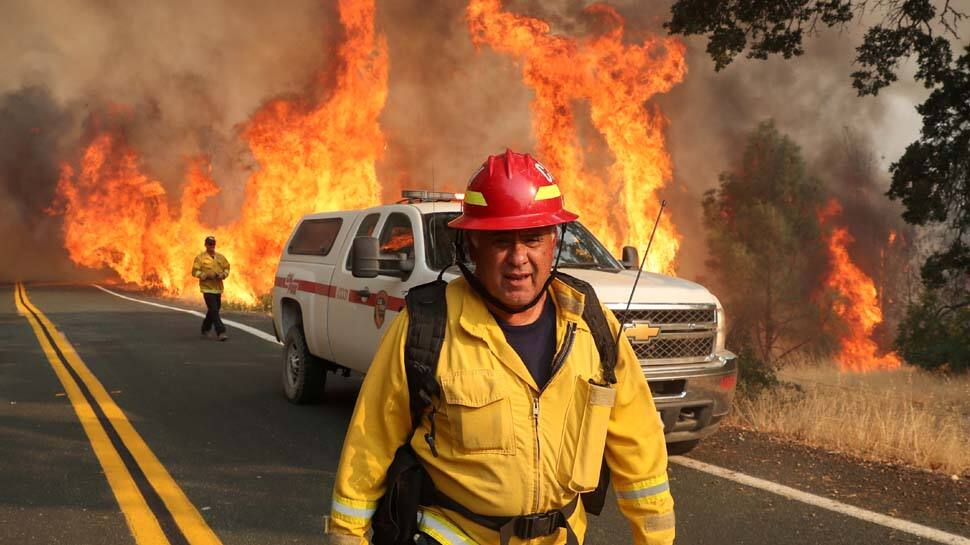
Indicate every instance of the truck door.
{"type": "Point", "coordinates": [362, 308]}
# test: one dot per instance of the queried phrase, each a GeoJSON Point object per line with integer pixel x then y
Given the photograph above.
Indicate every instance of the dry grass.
{"type": "Point", "coordinates": [906, 416]}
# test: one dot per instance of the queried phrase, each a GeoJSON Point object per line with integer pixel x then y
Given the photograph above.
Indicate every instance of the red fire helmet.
{"type": "Point", "coordinates": [511, 191]}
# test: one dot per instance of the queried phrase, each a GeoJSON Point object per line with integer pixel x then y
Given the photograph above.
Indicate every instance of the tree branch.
{"type": "Point", "coordinates": [796, 347]}
{"type": "Point", "coordinates": [955, 17]}
{"type": "Point", "coordinates": [946, 309]}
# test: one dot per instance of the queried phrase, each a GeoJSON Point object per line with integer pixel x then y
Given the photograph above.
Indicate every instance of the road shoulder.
{"type": "Point", "coordinates": [919, 496]}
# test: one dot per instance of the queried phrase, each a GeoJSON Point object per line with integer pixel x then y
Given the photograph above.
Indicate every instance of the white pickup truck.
{"type": "Point", "coordinates": [343, 276]}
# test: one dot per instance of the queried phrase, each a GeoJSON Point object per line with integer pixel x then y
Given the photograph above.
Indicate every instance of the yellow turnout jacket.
{"type": "Point", "coordinates": [205, 263]}
{"type": "Point", "coordinates": [505, 447]}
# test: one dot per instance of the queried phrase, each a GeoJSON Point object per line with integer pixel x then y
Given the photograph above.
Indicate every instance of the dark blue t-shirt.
{"type": "Point", "coordinates": [535, 343]}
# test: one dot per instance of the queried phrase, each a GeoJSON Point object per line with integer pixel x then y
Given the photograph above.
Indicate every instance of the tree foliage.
{"type": "Point", "coordinates": [935, 334]}
{"type": "Point", "coordinates": [754, 375]}
{"type": "Point", "coordinates": [765, 246]}
{"type": "Point", "coordinates": [933, 176]}
{"type": "Point", "coordinates": [762, 27]}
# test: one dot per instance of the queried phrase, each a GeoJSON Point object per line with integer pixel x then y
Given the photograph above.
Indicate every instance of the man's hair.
{"type": "Point", "coordinates": [210, 240]}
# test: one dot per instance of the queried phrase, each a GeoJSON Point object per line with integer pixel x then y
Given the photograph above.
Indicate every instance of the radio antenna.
{"type": "Point", "coordinates": [663, 204]}
{"type": "Point", "coordinates": [434, 217]}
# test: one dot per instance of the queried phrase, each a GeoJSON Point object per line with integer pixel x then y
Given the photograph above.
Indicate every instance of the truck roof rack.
{"type": "Point", "coordinates": [420, 195]}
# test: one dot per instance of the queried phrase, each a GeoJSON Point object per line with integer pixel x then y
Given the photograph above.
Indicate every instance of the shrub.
{"type": "Point", "coordinates": [754, 375]}
{"type": "Point", "coordinates": [935, 335]}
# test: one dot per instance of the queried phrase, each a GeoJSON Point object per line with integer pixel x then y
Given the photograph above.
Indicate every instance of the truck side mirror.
{"type": "Point", "coordinates": [365, 257]}
{"type": "Point", "coordinates": [631, 258]}
{"type": "Point", "coordinates": [367, 261]}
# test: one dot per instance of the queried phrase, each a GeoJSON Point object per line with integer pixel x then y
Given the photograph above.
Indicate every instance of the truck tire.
{"type": "Point", "coordinates": [304, 375]}
{"type": "Point", "coordinates": [681, 447]}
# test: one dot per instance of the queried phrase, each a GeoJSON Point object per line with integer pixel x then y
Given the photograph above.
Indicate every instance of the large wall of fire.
{"type": "Point", "coordinates": [320, 150]}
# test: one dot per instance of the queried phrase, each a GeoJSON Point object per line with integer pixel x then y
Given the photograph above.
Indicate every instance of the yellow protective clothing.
{"type": "Point", "coordinates": [505, 447]}
{"type": "Point", "coordinates": [210, 265]}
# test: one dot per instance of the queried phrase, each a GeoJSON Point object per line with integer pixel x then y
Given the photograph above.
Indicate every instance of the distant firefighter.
{"type": "Point", "coordinates": [211, 268]}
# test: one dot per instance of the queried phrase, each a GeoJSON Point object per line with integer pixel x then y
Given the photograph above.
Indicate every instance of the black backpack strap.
{"type": "Point", "coordinates": [598, 325]}
{"type": "Point", "coordinates": [605, 343]}
{"type": "Point", "coordinates": [427, 317]}
{"type": "Point", "coordinates": [395, 519]}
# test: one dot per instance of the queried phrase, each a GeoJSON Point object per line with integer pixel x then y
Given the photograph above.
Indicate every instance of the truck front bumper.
{"type": "Point", "coordinates": [692, 399]}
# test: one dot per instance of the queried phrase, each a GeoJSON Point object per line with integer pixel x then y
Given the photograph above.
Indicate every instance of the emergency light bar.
{"type": "Point", "coordinates": [421, 195]}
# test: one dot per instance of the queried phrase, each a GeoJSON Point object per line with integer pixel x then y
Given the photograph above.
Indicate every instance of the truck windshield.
{"type": "Point", "coordinates": [580, 250]}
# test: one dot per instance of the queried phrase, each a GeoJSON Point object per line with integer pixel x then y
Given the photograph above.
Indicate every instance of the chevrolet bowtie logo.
{"type": "Point", "coordinates": [642, 332]}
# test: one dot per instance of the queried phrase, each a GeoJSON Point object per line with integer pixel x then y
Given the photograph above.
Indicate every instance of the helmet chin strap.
{"type": "Point", "coordinates": [480, 288]}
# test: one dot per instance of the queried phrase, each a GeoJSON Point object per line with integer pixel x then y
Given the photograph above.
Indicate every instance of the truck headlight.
{"type": "Point", "coordinates": [721, 329]}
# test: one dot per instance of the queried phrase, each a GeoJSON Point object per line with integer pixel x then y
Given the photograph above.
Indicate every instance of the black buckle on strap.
{"type": "Point", "coordinates": [543, 524]}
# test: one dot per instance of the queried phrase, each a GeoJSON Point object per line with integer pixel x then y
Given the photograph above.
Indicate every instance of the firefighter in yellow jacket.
{"type": "Point", "coordinates": [525, 416]}
{"type": "Point", "coordinates": [211, 268]}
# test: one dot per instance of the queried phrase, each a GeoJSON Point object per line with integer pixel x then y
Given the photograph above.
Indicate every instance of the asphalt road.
{"type": "Point", "coordinates": [256, 469]}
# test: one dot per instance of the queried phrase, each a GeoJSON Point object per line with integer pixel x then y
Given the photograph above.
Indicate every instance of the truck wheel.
{"type": "Point", "coordinates": [681, 447]}
{"type": "Point", "coordinates": [304, 375]}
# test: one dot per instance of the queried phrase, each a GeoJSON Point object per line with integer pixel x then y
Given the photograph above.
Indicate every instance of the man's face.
{"type": "Point", "coordinates": [210, 247]}
{"type": "Point", "coordinates": [513, 265]}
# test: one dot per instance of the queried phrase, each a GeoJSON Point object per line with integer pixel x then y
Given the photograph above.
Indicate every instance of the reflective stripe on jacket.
{"type": "Point", "coordinates": [205, 263]}
{"type": "Point", "coordinates": [504, 447]}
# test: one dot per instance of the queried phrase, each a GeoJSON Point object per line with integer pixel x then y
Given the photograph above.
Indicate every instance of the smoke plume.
{"type": "Point", "coordinates": [31, 125]}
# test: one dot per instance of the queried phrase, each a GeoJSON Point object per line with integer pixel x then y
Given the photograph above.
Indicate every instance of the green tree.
{"type": "Point", "coordinates": [932, 178]}
{"type": "Point", "coordinates": [765, 246]}
{"type": "Point", "coordinates": [936, 335]}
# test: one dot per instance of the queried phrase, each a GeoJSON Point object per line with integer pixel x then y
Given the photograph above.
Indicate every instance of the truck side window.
{"type": "Point", "coordinates": [315, 237]}
{"type": "Point", "coordinates": [366, 229]}
{"type": "Point", "coordinates": [397, 235]}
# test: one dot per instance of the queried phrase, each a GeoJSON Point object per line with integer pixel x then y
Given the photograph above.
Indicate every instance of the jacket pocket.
{"type": "Point", "coordinates": [584, 436]}
{"type": "Point", "coordinates": [480, 411]}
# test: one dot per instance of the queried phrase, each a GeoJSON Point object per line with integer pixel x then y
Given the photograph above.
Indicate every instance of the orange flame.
{"type": "Point", "coordinates": [401, 239]}
{"type": "Point", "coordinates": [858, 303]}
{"type": "Point", "coordinates": [616, 80]}
{"type": "Point", "coordinates": [312, 157]}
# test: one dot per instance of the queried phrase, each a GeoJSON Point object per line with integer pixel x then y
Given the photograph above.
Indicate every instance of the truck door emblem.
{"type": "Point", "coordinates": [642, 332]}
{"type": "Point", "coordinates": [380, 308]}
{"type": "Point", "coordinates": [291, 285]}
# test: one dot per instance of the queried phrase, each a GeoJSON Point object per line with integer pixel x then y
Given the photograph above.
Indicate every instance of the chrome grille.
{"type": "Point", "coordinates": [662, 348]}
{"type": "Point", "coordinates": [686, 333]}
{"type": "Point", "coordinates": [658, 316]}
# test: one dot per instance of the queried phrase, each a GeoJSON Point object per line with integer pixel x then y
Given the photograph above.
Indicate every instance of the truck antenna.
{"type": "Point", "coordinates": [663, 204]}
{"type": "Point", "coordinates": [433, 216]}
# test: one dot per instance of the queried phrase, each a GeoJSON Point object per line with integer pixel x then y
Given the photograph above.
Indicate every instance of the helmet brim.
{"type": "Point", "coordinates": [512, 223]}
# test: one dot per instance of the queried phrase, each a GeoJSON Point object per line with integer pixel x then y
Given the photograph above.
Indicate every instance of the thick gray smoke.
{"type": "Point", "coordinates": [31, 128]}
{"type": "Point", "coordinates": [811, 100]}
{"type": "Point", "coordinates": [449, 105]}
{"type": "Point", "coordinates": [189, 73]}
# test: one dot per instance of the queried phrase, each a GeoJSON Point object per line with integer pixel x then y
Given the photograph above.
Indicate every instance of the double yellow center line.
{"type": "Point", "coordinates": [132, 470]}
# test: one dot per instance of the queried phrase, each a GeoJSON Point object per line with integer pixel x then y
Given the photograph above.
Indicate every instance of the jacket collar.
{"type": "Point", "coordinates": [474, 315]}
{"type": "Point", "coordinates": [475, 318]}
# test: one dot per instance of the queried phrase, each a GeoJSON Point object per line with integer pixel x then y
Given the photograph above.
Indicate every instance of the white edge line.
{"type": "Point", "coordinates": [248, 329]}
{"type": "Point", "coordinates": [825, 503]}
